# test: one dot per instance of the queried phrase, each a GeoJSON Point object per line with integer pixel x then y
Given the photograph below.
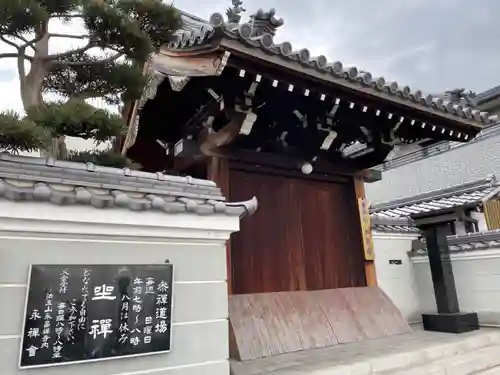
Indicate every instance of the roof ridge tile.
{"type": "Point", "coordinates": [32, 180]}
{"type": "Point", "coordinates": [446, 193]}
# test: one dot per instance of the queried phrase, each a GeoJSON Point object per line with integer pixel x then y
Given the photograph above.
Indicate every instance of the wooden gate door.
{"type": "Point", "coordinates": [305, 235]}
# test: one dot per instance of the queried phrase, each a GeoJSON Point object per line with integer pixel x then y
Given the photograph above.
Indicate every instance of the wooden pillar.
{"type": "Point", "coordinates": [448, 318]}
{"type": "Point", "coordinates": [218, 171]}
{"type": "Point", "coordinates": [370, 274]}
{"type": "Point", "coordinates": [441, 268]}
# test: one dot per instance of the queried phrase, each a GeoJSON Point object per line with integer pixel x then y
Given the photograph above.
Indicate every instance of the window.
{"type": "Point", "coordinates": [451, 229]}
{"type": "Point", "coordinates": [471, 226]}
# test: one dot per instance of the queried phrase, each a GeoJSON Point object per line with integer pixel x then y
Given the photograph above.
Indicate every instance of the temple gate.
{"type": "Point", "coordinates": [228, 103]}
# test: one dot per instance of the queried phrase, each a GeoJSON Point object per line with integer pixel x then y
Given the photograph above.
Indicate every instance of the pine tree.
{"type": "Point", "coordinates": [119, 36]}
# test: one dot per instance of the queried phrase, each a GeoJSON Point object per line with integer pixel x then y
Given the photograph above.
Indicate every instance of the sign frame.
{"type": "Point", "coordinates": [366, 229]}
{"type": "Point", "coordinates": [118, 357]}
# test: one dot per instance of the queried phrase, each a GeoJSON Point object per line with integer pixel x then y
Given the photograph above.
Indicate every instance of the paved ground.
{"type": "Point", "coordinates": [374, 356]}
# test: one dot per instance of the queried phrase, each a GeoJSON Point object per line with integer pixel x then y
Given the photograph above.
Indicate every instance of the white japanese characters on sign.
{"type": "Point", "coordinates": [161, 313]}
{"type": "Point", "coordinates": [59, 330]}
{"type": "Point", "coordinates": [56, 351]}
{"type": "Point", "coordinates": [137, 291]}
{"type": "Point", "coordinates": [33, 332]}
{"type": "Point", "coordinates": [63, 281]}
{"type": "Point", "coordinates": [124, 329]}
{"type": "Point", "coordinates": [32, 350]}
{"type": "Point", "coordinates": [150, 285]}
{"type": "Point", "coordinates": [103, 292]}
{"type": "Point", "coordinates": [47, 321]}
{"type": "Point", "coordinates": [161, 309]}
{"type": "Point", "coordinates": [162, 299]}
{"type": "Point", "coordinates": [101, 328]}
{"type": "Point", "coordinates": [82, 320]}
{"type": "Point", "coordinates": [35, 315]}
{"type": "Point", "coordinates": [73, 312]}
{"type": "Point", "coordinates": [163, 287]}
{"type": "Point", "coordinates": [161, 327]}
{"type": "Point", "coordinates": [135, 340]}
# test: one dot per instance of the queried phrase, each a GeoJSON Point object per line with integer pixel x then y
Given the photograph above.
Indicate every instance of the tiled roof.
{"type": "Point", "coordinates": [488, 95]}
{"type": "Point", "coordinates": [462, 243]}
{"type": "Point", "coordinates": [390, 225]}
{"type": "Point", "coordinates": [259, 33]}
{"type": "Point", "coordinates": [395, 229]}
{"type": "Point", "coordinates": [471, 193]}
{"type": "Point", "coordinates": [66, 183]}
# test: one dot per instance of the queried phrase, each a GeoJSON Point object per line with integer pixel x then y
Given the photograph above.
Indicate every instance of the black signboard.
{"type": "Point", "coordinates": [91, 312]}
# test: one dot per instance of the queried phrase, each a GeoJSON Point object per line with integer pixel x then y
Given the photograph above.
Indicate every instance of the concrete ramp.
{"type": "Point", "coordinates": [268, 324]}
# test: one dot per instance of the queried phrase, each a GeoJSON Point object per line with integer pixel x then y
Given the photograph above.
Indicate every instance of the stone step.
{"type": "Point", "coordinates": [430, 357]}
{"type": "Point", "coordinates": [492, 371]}
{"type": "Point", "coordinates": [474, 362]}
{"type": "Point", "coordinates": [419, 353]}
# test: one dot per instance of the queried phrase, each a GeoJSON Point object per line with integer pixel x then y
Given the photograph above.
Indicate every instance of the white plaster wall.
{"type": "Point", "coordinates": [462, 164]}
{"type": "Point", "coordinates": [481, 220]}
{"type": "Point", "coordinates": [397, 281]}
{"type": "Point", "coordinates": [477, 279]}
{"type": "Point", "coordinates": [460, 228]}
{"type": "Point", "coordinates": [44, 233]}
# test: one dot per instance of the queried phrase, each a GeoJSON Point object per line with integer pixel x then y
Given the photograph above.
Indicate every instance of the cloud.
{"type": "Point", "coordinates": [415, 55]}
{"type": "Point", "coordinates": [432, 45]}
{"type": "Point", "coordinates": [6, 74]}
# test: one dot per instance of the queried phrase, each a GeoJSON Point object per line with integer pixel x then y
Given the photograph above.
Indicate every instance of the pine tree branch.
{"type": "Point", "coordinates": [72, 52]}
{"type": "Point", "coordinates": [68, 16]}
{"type": "Point", "coordinates": [55, 35]}
{"type": "Point", "coordinates": [21, 134]}
{"type": "Point", "coordinates": [84, 95]}
{"type": "Point", "coordinates": [15, 55]}
{"type": "Point", "coordinates": [39, 36]}
{"type": "Point", "coordinates": [31, 43]}
{"type": "Point", "coordinates": [83, 63]}
{"type": "Point", "coordinates": [9, 42]}
{"type": "Point", "coordinates": [22, 38]}
{"type": "Point", "coordinates": [27, 43]}
{"type": "Point", "coordinates": [12, 55]}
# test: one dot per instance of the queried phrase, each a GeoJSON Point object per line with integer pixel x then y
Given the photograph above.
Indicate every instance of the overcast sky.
{"type": "Point", "coordinates": [432, 45]}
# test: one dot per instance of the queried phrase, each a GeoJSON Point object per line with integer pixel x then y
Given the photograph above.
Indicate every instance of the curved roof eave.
{"type": "Point", "coordinates": [197, 33]}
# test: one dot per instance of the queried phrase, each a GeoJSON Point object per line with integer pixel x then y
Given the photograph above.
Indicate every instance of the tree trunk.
{"type": "Point", "coordinates": [33, 84]}
{"type": "Point", "coordinates": [32, 88]}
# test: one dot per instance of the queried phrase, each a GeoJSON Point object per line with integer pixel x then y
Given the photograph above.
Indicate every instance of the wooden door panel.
{"type": "Point", "coordinates": [264, 251]}
{"type": "Point", "coordinates": [304, 236]}
{"type": "Point", "coordinates": [331, 234]}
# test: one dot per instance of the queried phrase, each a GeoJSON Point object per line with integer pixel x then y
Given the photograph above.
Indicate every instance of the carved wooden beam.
{"type": "Point", "coordinates": [210, 141]}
